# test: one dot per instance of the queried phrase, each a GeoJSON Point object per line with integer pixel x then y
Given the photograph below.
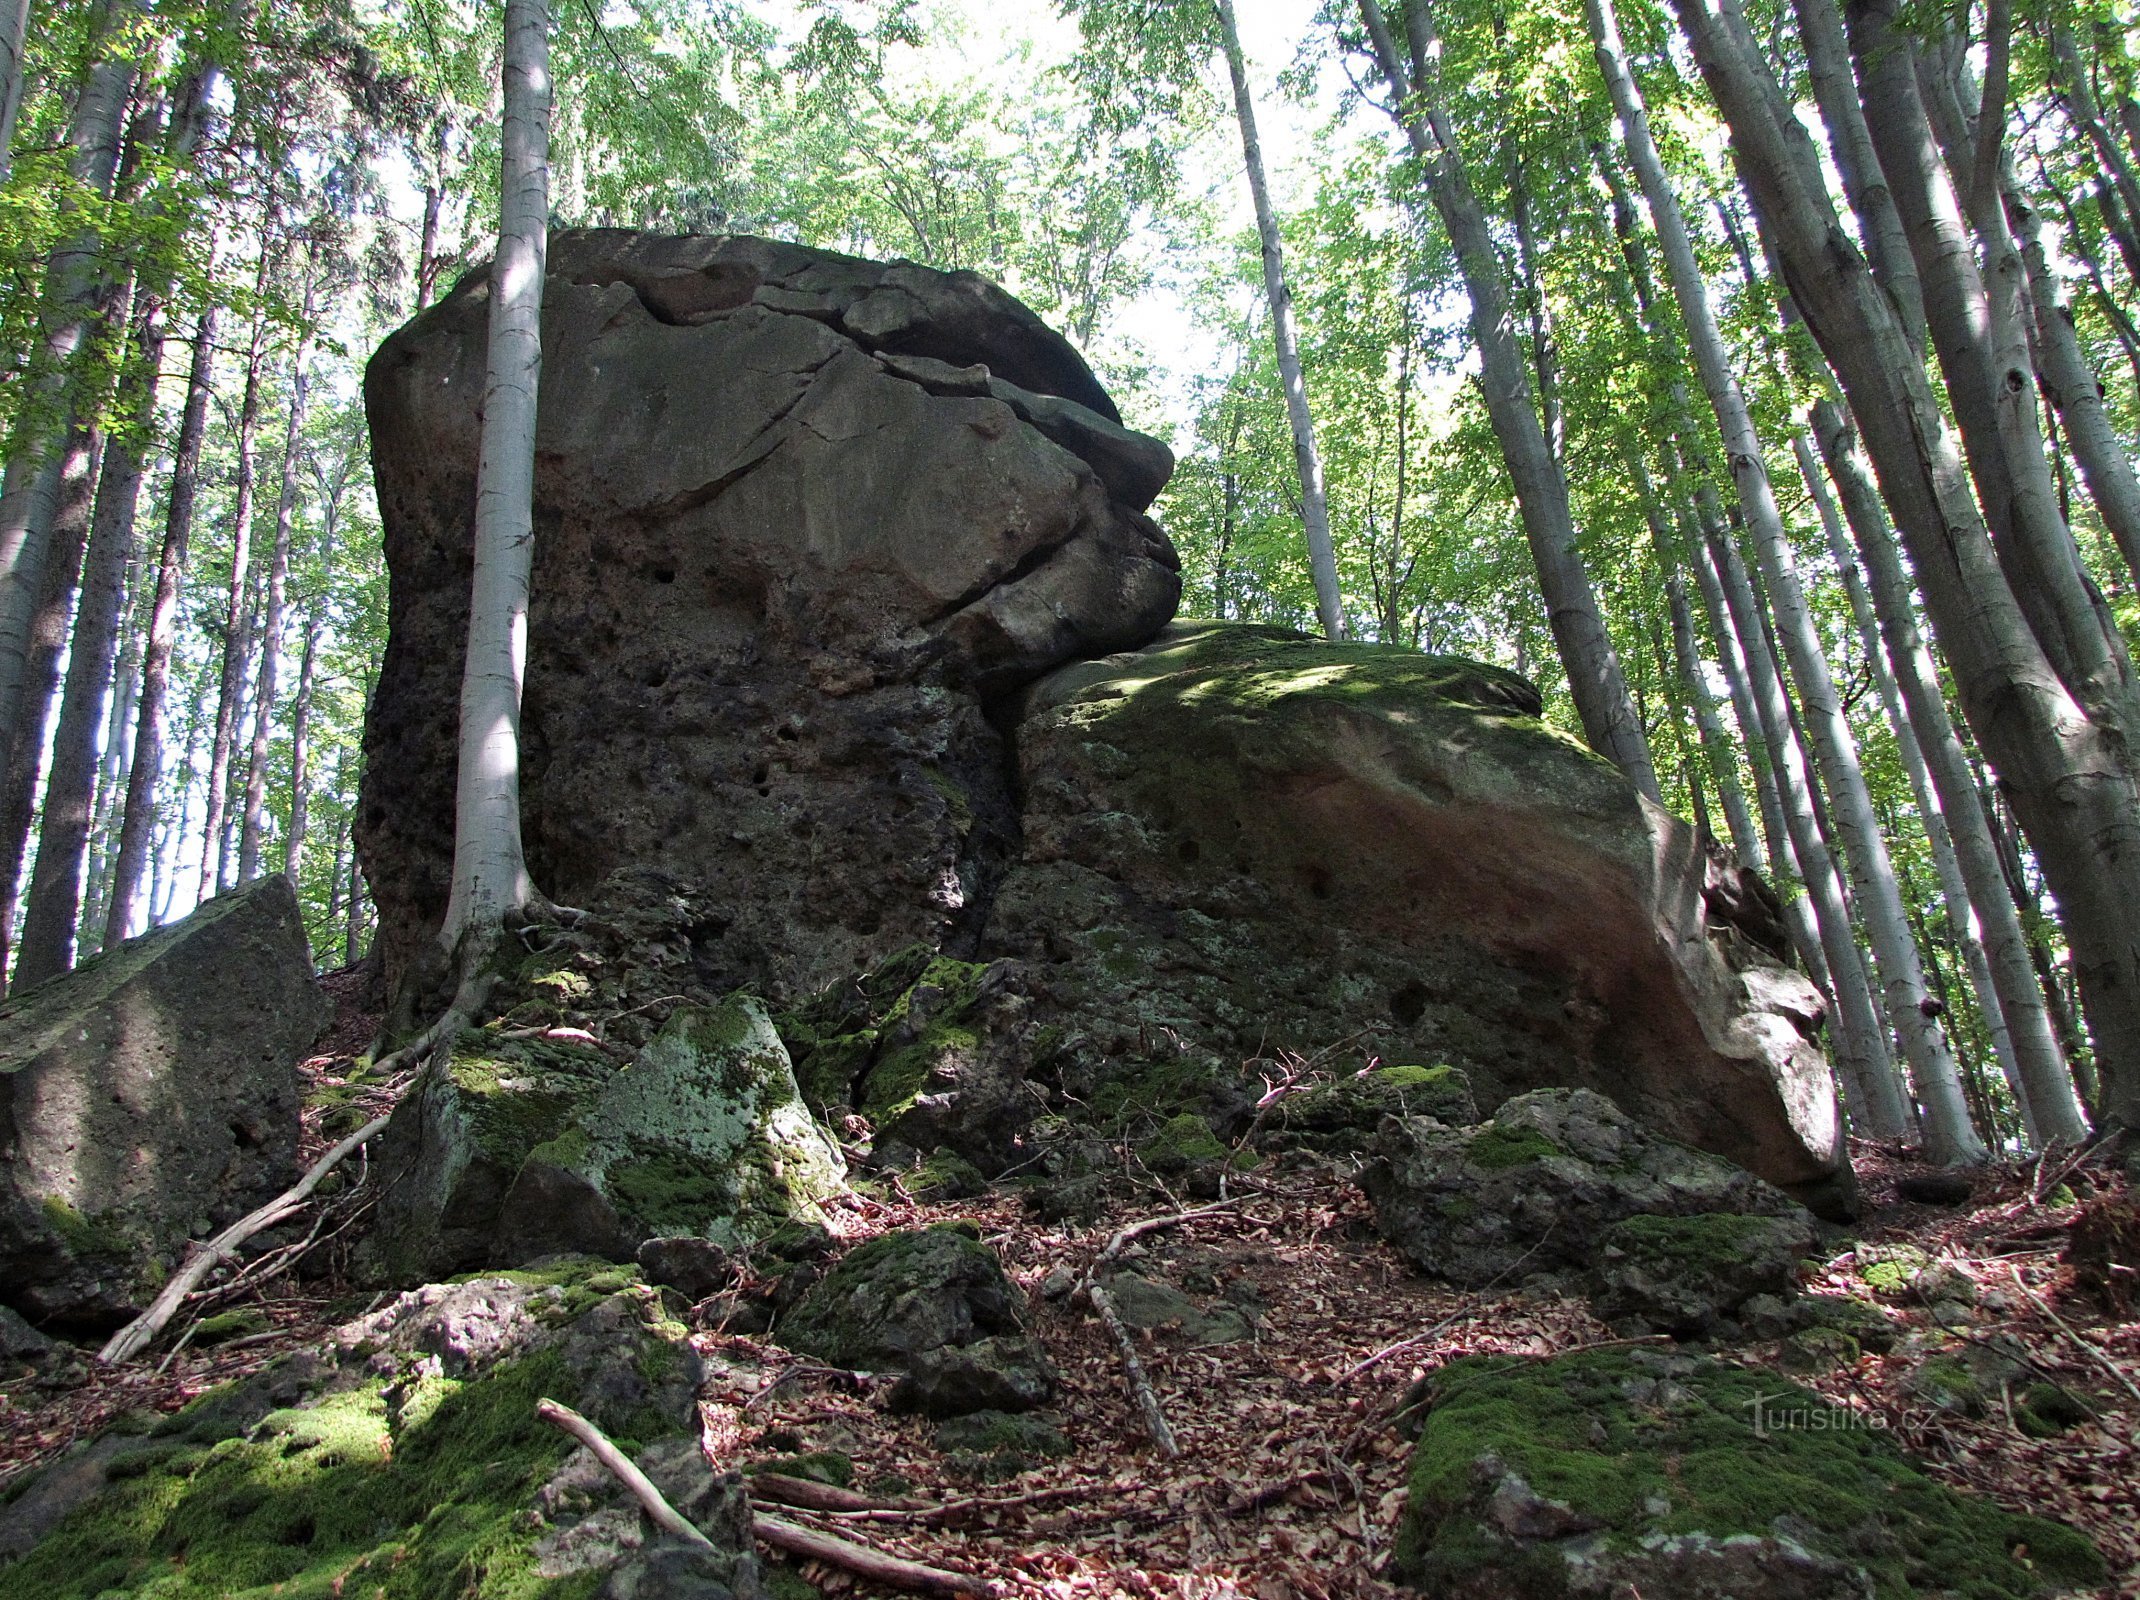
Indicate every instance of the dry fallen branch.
{"type": "Point", "coordinates": [137, 1335]}
{"type": "Point", "coordinates": [2094, 1352]}
{"type": "Point", "coordinates": [811, 1495]}
{"type": "Point", "coordinates": [892, 1571]}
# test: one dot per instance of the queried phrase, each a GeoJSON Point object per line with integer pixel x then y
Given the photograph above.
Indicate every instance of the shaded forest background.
{"type": "Point", "coordinates": [210, 214]}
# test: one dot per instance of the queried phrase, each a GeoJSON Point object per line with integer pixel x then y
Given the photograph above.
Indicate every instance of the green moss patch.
{"type": "Point", "coordinates": [1497, 1148]}
{"type": "Point", "coordinates": [1641, 1447]}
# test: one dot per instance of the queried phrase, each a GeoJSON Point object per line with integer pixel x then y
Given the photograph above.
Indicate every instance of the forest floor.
{"type": "Point", "coordinates": [1291, 1475]}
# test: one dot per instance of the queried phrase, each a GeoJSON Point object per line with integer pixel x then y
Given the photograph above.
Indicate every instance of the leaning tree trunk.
{"type": "Point", "coordinates": [50, 924]}
{"type": "Point", "coordinates": [1949, 1135]}
{"type": "Point", "coordinates": [1595, 679]}
{"type": "Point", "coordinates": [1314, 503]}
{"type": "Point", "coordinates": [137, 825]}
{"type": "Point", "coordinates": [14, 28]}
{"type": "Point", "coordinates": [2067, 770]}
{"type": "Point", "coordinates": [490, 874]}
{"type": "Point", "coordinates": [2119, 192]}
{"type": "Point", "coordinates": [277, 593]}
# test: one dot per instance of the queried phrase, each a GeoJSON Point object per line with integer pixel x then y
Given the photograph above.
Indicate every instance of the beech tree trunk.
{"type": "Point", "coordinates": [490, 874]}
{"type": "Point", "coordinates": [55, 900]}
{"type": "Point", "coordinates": [1949, 1135]}
{"type": "Point", "coordinates": [237, 641]}
{"type": "Point", "coordinates": [77, 462]}
{"type": "Point", "coordinates": [137, 826]}
{"type": "Point", "coordinates": [1595, 679]}
{"type": "Point", "coordinates": [277, 591]}
{"type": "Point", "coordinates": [2066, 768]}
{"type": "Point", "coordinates": [14, 28]}
{"type": "Point", "coordinates": [1314, 503]}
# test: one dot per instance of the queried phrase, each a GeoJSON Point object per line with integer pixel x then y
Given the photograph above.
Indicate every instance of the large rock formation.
{"type": "Point", "coordinates": [795, 513]}
{"type": "Point", "coordinates": [1239, 839]}
{"type": "Point", "coordinates": [147, 1096]}
{"type": "Point", "coordinates": [831, 558]}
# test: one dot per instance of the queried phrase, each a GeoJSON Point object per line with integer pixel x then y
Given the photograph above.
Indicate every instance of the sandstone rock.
{"type": "Point", "coordinates": [524, 1149]}
{"type": "Point", "coordinates": [1343, 1113]}
{"type": "Point", "coordinates": [1637, 1472]}
{"type": "Point", "coordinates": [1008, 1372]}
{"type": "Point", "coordinates": [1241, 839]}
{"type": "Point", "coordinates": [797, 514]}
{"type": "Point", "coordinates": [1534, 1190]}
{"type": "Point", "coordinates": [148, 1097]}
{"type": "Point", "coordinates": [1690, 1276]}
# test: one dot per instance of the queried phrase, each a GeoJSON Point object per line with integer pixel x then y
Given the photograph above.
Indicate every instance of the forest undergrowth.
{"type": "Point", "coordinates": [1291, 1477]}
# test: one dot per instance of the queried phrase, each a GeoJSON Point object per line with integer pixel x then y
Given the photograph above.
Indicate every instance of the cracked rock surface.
{"type": "Point", "coordinates": [798, 518]}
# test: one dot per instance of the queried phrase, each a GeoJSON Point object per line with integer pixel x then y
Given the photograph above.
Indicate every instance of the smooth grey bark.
{"type": "Point", "coordinates": [137, 825]}
{"type": "Point", "coordinates": [2120, 192]}
{"type": "Point", "coordinates": [1978, 330]}
{"type": "Point", "coordinates": [1595, 679]}
{"type": "Point", "coordinates": [1314, 500]}
{"type": "Point", "coordinates": [51, 919]}
{"type": "Point", "coordinates": [77, 462]}
{"type": "Point", "coordinates": [2065, 767]}
{"type": "Point", "coordinates": [14, 29]}
{"type": "Point", "coordinates": [74, 292]}
{"type": "Point", "coordinates": [1949, 1136]}
{"type": "Point", "coordinates": [277, 594]}
{"type": "Point", "coordinates": [237, 639]}
{"type": "Point", "coordinates": [490, 874]}
{"type": "Point", "coordinates": [2047, 1085]}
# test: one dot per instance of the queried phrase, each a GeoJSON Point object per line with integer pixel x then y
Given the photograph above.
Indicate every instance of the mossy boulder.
{"type": "Point", "coordinates": [1689, 1276]}
{"type": "Point", "coordinates": [932, 1303]}
{"type": "Point", "coordinates": [1241, 840]}
{"type": "Point", "coordinates": [1342, 1113]}
{"type": "Point", "coordinates": [403, 1458]}
{"type": "Point", "coordinates": [148, 1097]}
{"type": "Point", "coordinates": [1618, 1472]}
{"type": "Point", "coordinates": [1535, 1189]}
{"type": "Point", "coordinates": [515, 1154]}
{"type": "Point", "coordinates": [932, 1052]}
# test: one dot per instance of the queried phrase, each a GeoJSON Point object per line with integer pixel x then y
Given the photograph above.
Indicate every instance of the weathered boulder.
{"type": "Point", "coordinates": [1240, 839]}
{"type": "Point", "coordinates": [147, 1097]}
{"type": "Point", "coordinates": [1343, 1113]}
{"type": "Point", "coordinates": [1535, 1189]}
{"type": "Point", "coordinates": [525, 1148]}
{"type": "Point", "coordinates": [402, 1457]}
{"type": "Point", "coordinates": [797, 514]}
{"type": "Point", "coordinates": [1640, 1472]}
{"type": "Point", "coordinates": [1690, 1276]}
{"type": "Point", "coordinates": [934, 1304]}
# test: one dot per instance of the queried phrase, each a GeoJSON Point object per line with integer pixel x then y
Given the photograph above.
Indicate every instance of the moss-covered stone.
{"type": "Point", "coordinates": [1570, 1475]}
{"type": "Point", "coordinates": [402, 1461]}
{"type": "Point", "coordinates": [1498, 1148]}
{"type": "Point", "coordinates": [1343, 1113]}
{"type": "Point", "coordinates": [1690, 1275]}
{"type": "Point", "coordinates": [1180, 1144]}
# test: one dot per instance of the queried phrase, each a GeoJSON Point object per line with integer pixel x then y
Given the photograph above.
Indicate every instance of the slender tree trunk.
{"type": "Point", "coordinates": [490, 874]}
{"type": "Point", "coordinates": [1595, 679]}
{"type": "Point", "coordinates": [2039, 1056]}
{"type": "Point", "coordinates": [14, 29]}
{"type": "Point", "coordinates": [55, 899]}
{"type": "Point", "coordinates": [75, 292]}
{"type": "Point", "coordinates": [137, 826]}
{"type": "Point", "coordinates": [78, 459]}
{"type": "Point", "coordinates": [2066, 769]}
{"type": "Point", "coordinates": [2119, 194]}
{"type": "Point", "coordinates": [1314, 504]}
{"type": "Point", "coordinates": [237, 641]}
{"type": "Point", "coordinates": [293, 850]}
{"type": "Point", "coordinates": [277, 590]}
{"type": "Point", "coordinates": [1949, 1134]}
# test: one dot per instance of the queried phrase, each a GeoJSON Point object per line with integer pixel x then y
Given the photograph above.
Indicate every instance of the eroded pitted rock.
{"type": "Point", "coordinates": [516, 1151]}
{"type": "Point", "coordinates": [146, 1098]}
{"type": "Point", "coordinates": [1535, 1189]}
{"type": "Point", "coordinates": [1640, 1472]}
{"type": "Point", "coordinates": [1690, 1276]}
{"type": "Point", "coordinates": [934, 1304]}
{"type": "Point", "coordinates": [404, 1458]}
{"type": "Point", "coordinates": [1240, 840]}
{"type": "Point", "coordinates": [796, 513]}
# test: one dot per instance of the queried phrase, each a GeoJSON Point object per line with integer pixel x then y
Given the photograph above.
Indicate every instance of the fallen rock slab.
{"type": "Point", "coordinates": [148, 1097]}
